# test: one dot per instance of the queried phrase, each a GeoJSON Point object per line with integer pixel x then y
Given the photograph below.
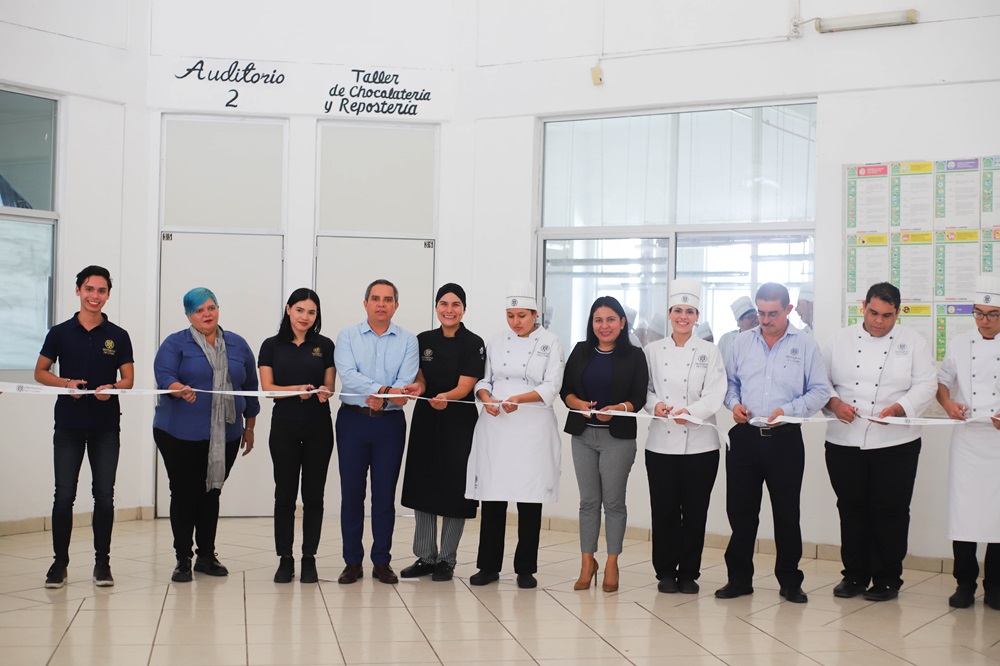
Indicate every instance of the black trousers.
{"type": "Point", "coordinates": [679, 491]}
{"type": "Point", "coordinates": [753, 460]}
{"type": "Point", "coordinates": [874, 488]}
{"type": "Point", "coordinates": [194, 513]}
{"type": "Point", "coordinates": [299, 448]}
{"type": "Point", "coordinates": [967, 568]}
{"type": "Point", "coordinates": [493, 527]}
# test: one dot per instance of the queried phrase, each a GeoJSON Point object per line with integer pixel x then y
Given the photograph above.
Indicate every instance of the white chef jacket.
{"type": "Point", "coordinates": [517, 456]}
{"type": "Point", "coordinates": [970, 370]}
{"type": "Point", "coordinates": [691, 377]}
{"type": "Point", "coordinates": [870, 374]}
{"type": "Point", "coordinates": [726, 343]}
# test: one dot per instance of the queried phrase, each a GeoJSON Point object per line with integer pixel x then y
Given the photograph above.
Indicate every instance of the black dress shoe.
{"type": "Point", "coordinates": [286, 570]}
{"type": "Point", "coordinates": [687, 586]}
{"type": "Point", "coordinates": [384, 574]}
{"type": "Point", "coordinates": [732, 590]}
{"type": "Point", "coordinates": [526, 581]}
{"type": "Point", "coordinates": [794, 595]}
{"type": "Point", "coordinates": [309, 573]}
{"type": "Point", "coordinates": [442, 572]}
{"type": "Point", "coordinates": [965, 596]}
{"type": "Point", "coordinates": [417, 569]}
{"type": "Point", "coordinates": [182, 572]}
{"type": "Point", "coordinates": [210, 566]}
{"type": "Point", "coordinates": [880, 593]}
{"type": "Point", "coordinates": [483, 577]}
{"type": "Point", "coordinates": [351, 574]}
{"type": "Point", "coordinates": [667, 586]}
{"type": "Point", "coordinates": [847, 590]}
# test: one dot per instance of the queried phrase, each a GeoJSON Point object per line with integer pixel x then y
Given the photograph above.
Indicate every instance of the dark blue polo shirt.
{"type": "Point", "coordinates": [94, 356]}
{"type": "Point", "coordinates": [294, 364]}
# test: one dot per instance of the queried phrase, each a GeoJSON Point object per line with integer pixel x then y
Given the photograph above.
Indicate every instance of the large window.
{"type": "Point", "coordinates": [27, 225]}
{"type": "Point", "coordinates": [724, 196]}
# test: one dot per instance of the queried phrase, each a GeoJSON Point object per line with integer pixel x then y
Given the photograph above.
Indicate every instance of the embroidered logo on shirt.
{"type": "Point", "coordinates": [428, 355]}
{"type": "Point", "coordinates": [109, 347]}
{"type": "Point", "coordinates": [794, 351]}
{"type": "Point", "coordinates": [543, 350]}
{"type": "Point", "coordinates": [317, 352]}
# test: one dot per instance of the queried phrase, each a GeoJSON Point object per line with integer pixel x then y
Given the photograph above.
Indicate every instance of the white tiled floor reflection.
{"type": "Point", "coordinates": [248, 620]}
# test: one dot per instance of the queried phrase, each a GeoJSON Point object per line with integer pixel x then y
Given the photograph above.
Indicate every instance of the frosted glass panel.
{"type": "Point", "coordinates": [26, 272]}
{"type": "Point", "coordinates": [223, 174]}
{"type": "Point", "coordinates": [377, 179]}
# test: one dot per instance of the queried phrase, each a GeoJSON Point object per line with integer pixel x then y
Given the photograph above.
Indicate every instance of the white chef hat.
{"type": "Point", "coordinates": [988, 290]}
{"type": "Point", "coordinates": [703, 330]}
{"type": "Point", "coordinates": [807, 293]}
{"type": "Point", "coordinates": [741, 306]}
{"type": "Point", "coordinates": [521, 295]}
{"type": "Point", "coordinates": [684, 292]}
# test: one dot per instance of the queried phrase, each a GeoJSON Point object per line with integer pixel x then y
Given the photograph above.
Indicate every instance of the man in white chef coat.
{"type": "Point", "coordinates": [804, 307]}
{"type": "Point", "coordinates": [968, 391]}
{"type": "Point", "coordinates": [745, 313]}
{"type": "Point", "coordinates": [877, 369]}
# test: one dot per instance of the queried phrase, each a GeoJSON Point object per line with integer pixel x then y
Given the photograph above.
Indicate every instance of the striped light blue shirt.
{"type": "Point", "coordinates": [790, 376]}
{"type": "Point", "coordinates": [367, 361]}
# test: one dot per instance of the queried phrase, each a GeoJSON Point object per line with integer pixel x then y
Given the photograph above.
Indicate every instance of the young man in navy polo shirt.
{"type": "Point", "coordinates": [91, 352]}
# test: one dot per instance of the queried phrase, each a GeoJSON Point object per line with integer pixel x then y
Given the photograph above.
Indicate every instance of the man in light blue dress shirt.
{"type": "Point", "coordinates": [774, 369]}
{"type": "Point", "coordinates": [373, 357]}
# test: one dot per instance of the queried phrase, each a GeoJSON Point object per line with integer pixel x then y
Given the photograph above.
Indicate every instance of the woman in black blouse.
{"type": "Point", "coordinates": [605, 374]}
{"type": "Point", "coordinates": [452, 360]}
{"type": "Point", "coordinates": [298, 358]}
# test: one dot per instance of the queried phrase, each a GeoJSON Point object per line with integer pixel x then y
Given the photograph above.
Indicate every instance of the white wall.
{"type": "Point", "coordinates": [497, 69]}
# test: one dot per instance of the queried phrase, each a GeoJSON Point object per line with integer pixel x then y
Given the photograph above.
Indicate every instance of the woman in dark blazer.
{"type": "Point", "coordinates": [604, 374]}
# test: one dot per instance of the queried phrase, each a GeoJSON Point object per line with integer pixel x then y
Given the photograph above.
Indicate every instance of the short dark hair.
{"type": "Point", "coordinates": [395, 292]}
{"type": "Point", "coordinates": [297, 296]}
{"type": "Point", "coordinates": [92, 271]}
{"type": "Point", "coordinates": [623, 344]}
{"type": "Point", "coordinates": [772, 291]}
{"type": "Point", "coordinates": [885, 291]}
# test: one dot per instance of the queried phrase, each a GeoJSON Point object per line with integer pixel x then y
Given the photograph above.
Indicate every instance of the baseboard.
{"type": "Point", "coordinates": [82, 519]}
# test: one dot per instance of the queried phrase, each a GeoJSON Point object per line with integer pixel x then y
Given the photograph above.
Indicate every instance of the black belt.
{"type": "Point", "coordinates": [774, 431]}
{"type": "Point", "coordinates": [367, 411]}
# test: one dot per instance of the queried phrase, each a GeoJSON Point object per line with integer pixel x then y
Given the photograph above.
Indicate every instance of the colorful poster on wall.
{"type": "Point", "coordinates": [912, 265]}
{"type": "Point", "coordinates": [990, 245]}
{"type": "Point", "coordinates": [918, 316]}
{"type": "Point", "coordinates": [951, 319]}
{"type": "Point", "coordinates": [956, 194]}
{"type": "Point", "coordinates": [867, 263]}
{"type": "Point", "coordinates": [956, 263]}
{"type": "Point", "coordinates": [989, 217]}
{"type": "Point", "coordinates": [912, 196]}
{"type": "Point", "coordinates": [867, 200]}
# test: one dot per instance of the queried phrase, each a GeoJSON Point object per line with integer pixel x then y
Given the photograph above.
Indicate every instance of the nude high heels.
{"type": "Point", "coordinates": [611, 576]}
{"type": "Point", "coordinates": [586, 576]}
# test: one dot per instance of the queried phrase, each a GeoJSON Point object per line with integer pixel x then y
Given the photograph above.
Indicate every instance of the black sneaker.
{"type": "Point", "coordinates": [56, 577]}
{"type": "Point", "coordinates": [880, 593]}
{"type": "Point", "coordinates": [286, 570]}
{"type": "Point", "coordinates": [102, 575]}
{"type": "Point", "coordinates": [210, 566]}
{"type": "Point", "coordinates": [417, 569]}
{"type": "Point", "coordinates": [965, 596]}
{"type": "Point", "coordinates": [526, 581]}
{"type": "Point", "coordinates": [309, 574]}
{"type": "Point", "coordinates": [443, 571]}
{"type": "Point", "coordinates": [182, 572]}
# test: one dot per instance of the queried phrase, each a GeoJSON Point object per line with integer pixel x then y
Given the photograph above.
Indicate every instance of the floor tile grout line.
{"type": "Point", "coordinates": [159, 619]}
{"type": "Point", "coordinates": [333, 626]}
{"type": "Point", "coordinates": [65, 631]}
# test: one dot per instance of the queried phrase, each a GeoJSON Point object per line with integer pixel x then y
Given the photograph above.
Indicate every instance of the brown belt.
{"type": "Point", "coordinates": [366, 411]}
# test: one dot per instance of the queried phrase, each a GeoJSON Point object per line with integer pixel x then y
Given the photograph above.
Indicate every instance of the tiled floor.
{"type": "Point", "coordinates": [247, 619]}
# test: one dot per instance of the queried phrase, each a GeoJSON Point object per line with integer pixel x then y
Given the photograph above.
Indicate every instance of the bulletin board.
{"type": "Point", "coordinates": [929, 228]}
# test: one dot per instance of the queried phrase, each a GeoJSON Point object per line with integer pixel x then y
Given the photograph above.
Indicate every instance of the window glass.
{"type": "Point", "coordinates": [26, 273]}
{"type": "Point", "coordinates": [27, 150]}
{"type": "Point", "coordinates": [633, 270]}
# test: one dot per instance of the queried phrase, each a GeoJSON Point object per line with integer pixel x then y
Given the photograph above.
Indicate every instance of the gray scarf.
{"type": "Point", "coordinates": [223, 407]}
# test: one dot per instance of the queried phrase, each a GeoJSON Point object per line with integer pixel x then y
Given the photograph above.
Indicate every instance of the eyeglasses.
{"type": "Point", "coordinates": [991, 317]}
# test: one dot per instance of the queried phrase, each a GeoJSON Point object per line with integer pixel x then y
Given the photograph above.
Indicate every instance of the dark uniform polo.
{"type": "Point", "coordinates": [94, 356]}
{"type": "Point", "coordinates": [298, 364]}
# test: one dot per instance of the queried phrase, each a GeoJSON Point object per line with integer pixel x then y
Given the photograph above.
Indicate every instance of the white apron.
{"type": "Point", "coordinates": [973, 366]}
{"type": "Point", "coordinates": [516, 456]}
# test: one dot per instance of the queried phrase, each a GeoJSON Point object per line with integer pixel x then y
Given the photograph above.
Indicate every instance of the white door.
{"type": "Point", "coordinates": [245, 273]}
{"type": "Point", "coordinates": [344, 267]}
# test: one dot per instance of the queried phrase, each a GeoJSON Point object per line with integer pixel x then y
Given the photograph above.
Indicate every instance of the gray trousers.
{"type": "Point", "coordinates": [425, 544]}
{"type": "Point", "coordinates": [602, 465]}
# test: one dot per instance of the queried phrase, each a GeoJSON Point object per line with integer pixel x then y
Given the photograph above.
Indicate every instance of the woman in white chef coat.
{"type": "Point", "coordinates": [967, 389]}
{"type": "Point", "coordinates": [516, 447]}
{"type": "Point", "coordinates": [686, 376]}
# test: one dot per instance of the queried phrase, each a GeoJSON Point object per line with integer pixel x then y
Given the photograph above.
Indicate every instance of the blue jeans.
{"type": "Point", "coordinates": [101, 447]}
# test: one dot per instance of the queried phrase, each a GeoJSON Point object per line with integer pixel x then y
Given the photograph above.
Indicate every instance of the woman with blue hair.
{"type": "Point", "coordinates": [200, 435]}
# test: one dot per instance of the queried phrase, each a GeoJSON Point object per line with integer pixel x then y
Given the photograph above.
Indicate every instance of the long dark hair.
{"type": "Point", "coordinates": [622, 345]}
{"type": "Point", "coordinates": [300, 294]}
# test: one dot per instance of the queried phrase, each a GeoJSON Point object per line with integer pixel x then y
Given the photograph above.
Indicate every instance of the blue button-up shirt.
{"type": "Point", "coordinates": [791, 375]}
{"type": "Point", "coordinates": [367, 361]}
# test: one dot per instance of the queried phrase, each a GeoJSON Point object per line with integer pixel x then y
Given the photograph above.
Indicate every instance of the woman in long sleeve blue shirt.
{"type": "Point", "coordinates": [200, 435]}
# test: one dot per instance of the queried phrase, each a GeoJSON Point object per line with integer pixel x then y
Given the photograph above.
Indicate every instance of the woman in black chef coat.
{"type": "Point", "coordinates": [452, 360]}
{"type": "Point", "coordinates": [298, 358]}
